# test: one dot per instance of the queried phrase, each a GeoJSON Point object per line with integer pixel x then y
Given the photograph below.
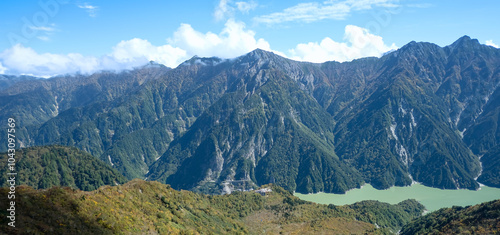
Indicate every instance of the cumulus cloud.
{"type": "Point", "coordinates": [222, 10]}
{"type": "Point", "coordinates": [136, 52]}
{"type": "Point", "coordinates": [227, 8]}
{"type": "Point", "coordinates": [358, 43]}
{"type": "Point", "coordinates": [23, 60]}
{"type": "Point", "coordinates": [490, 43]}
{"type": "Point", "coordinates": [125, 55]}
{"type": "Point", "coordinates": [314, 11]}
{"type": "Point", "coordinates": [234, 40]}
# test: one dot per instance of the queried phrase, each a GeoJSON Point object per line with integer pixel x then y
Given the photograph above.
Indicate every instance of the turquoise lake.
{"type": "Point", "coordinates": [432, 198]}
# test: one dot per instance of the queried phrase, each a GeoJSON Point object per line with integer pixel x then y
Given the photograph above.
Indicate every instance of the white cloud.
{"type": "Point", "coordinates": [91, 10]}
{"type": "Point", "coordinates": [359, 43]}
{"type": "Point", "coordinates": [44, 38]}
{"type": "Point", "coordinates": [420, 5]}
{"type": "Point", "coordinates": [137, 52]}
{"type": "Point", "coordinates": [2, 69]}
{"type": "Point", "coordinates": [233, 41]}
{"type": "Point", "coordinates": [46, 31]}
{"type": "Point", "coordinates": [490, 43]}
{"type": "Point", "coordinates": [227, 8]}
{"type": "Point", "coordinates": [22, 60]}
{"type": "Point", "coordinates": [42, 28]}
{"type": "Point", "coordinates": [315, 11]}
{"type": "Point", "coordinates": [245, 7]}
{"type": "Point", "coordinates": [125, 55]}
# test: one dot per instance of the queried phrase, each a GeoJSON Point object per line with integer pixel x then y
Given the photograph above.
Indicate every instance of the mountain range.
{"type": "Point", "coordinates": [422, 113]}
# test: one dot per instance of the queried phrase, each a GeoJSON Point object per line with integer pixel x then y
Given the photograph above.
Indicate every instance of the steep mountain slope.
{"type": "Point", "coordinates": [140, 207]}
{"type": "Point", "coordinates": [403, 125]}
{"type": "Point", "coordinates": [133, 130]}
{"type": "Point", "coordinates": [490, 174]}
{"type": "Point", "coordinates": [479, 219]}
{"type": "Point", "coordinates": [48, 166]}
{"type": "Point", "coordinates": [394, 124]}
{"type": "Point", "coordinates": [36, 101]}
{"type": "Point", "coordinates": [267, 130]}
{"type": "Point", "coordinates": [422, 113]}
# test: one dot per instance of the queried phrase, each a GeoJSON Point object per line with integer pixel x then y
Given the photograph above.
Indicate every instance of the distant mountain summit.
{"type": "Point", "coordinates": [422, 113]}
{"type": "Point", "coordinates": [8, 80]}
{"type": "Point", "coordinates": [153, 64]}
{"type": "Point", "coordinates": [195, 60]}
{"type": "Point", "coordinates": [465, 42]}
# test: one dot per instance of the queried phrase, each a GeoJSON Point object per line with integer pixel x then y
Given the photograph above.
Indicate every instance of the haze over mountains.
{"type": "Point", "coordinates": [422, 113]}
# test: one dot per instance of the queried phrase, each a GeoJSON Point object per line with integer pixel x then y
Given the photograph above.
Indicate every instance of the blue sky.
{"type": "Point", "coordinates": [52, 37]}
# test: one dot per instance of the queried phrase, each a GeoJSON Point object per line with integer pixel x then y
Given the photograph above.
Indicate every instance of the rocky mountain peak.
{"type": "Point", "coordinates": [154, 64]}
{"type": "Point", "coordinates": [260, 56]}
{"type": "Point", "coordinates": [465, 42]}
{"type": "Point", "coordinates": [203, 61]}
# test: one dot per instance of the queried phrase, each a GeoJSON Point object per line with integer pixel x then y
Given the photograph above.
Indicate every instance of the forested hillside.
{"type": "Point", "coordinates": [48, 166]}
{"type": "Point", "coordinates": [479, 219]}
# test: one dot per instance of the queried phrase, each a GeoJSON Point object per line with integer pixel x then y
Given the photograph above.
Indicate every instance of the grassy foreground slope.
{"type": "Point", "coordinates": [140, 207]}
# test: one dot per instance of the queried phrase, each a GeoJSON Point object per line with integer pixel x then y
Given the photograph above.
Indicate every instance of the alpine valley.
{"type": "Point", "coordinates": [423, 113]}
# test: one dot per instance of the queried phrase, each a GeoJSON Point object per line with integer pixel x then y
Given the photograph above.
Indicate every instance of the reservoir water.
{"type": "Point", "coordinates": [432, 198]}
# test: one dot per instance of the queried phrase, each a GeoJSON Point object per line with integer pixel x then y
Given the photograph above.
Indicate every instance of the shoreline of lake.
{"type": "Point", "coordinates": [432, 198]}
